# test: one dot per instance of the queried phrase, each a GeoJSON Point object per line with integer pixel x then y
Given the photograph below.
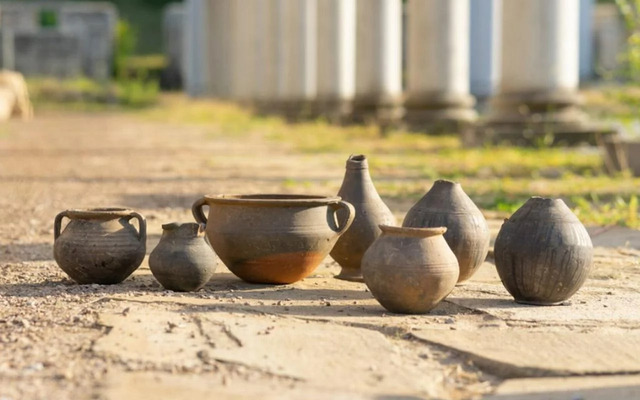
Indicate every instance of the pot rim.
{"type": "Point", "coordinates": [272, 199]}
{"type": "Point", "coordinates": [416, 232]}
{"type": "Point", "coordinates": [100, 212]}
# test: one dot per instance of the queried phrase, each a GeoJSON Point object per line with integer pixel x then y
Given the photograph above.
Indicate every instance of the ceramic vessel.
{"type": "Point", "coordinates": [99, 245]}
{"type": "Point", "coordinates": [357, 189]}
{"type": "Point", "coordinates": [543, 253]}
{"type": "Point", "coordinates": [273, 238]}
{"type": "Point", "coordinates": [446, 204]}
{"type": "Point", "coordinates": [410, 270]}
{"type": "Point", "coordinates": [183, 261]}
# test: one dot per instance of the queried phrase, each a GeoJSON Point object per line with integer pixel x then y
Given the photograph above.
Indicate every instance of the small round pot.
{"type": "Point", "coordinates": [99, 245]}
{"type": "Point", "coordinates": [410, 270]}
{"type": "Point", "coordinates": [543, 253]}
{"type": "Point", "coordinates": [273, 238]}
{"type": "Point", "coordinates": [183, 261]}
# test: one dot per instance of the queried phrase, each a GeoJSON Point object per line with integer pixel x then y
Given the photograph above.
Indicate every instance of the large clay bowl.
{"type": "Point", "coordinates": [273, 238]}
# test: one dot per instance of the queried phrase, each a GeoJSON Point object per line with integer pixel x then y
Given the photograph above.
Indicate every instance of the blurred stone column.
{"type": "Point", "coordinates": [438, 65]}
{"type": "Point", "coordinates": [297, 57]}
{"type": "Point", "coordinates": [243, 21]}
{"type": "Point", "coordinates": [336, 57]}
{"type": "Point", "coordinates": [484, 52]}
{"type": "Point", "coordinates": [266, 70]}
{"type": "Point", "coordinates": [222, 19]}
{"type": "Point", "coordinates": [586, 40]}
{"type": "Point", "coordinates": [378, 61]}
{"type": "Point", "coordinates": [196, 40]}
{"type": "Point", "coordinates": [173, 17]}
{"type": "Point", "coordinates": [538, 95]}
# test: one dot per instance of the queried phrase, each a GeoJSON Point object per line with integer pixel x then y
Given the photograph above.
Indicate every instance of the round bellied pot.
{"type": "Point", "coordinates": [410, 270]}
{"type": "Point", "coordinates": [183, 261]}
{"type": "Point", "coordinates": [99, 245]}
{"type": "Point", "coordinates": [357, 189]}
{"type": "Point", "coordinates": [273, 238]}
{"type": "Point", "coordinates": [543, 253]}
{"type": "Point", "coordinates": [446, 204]}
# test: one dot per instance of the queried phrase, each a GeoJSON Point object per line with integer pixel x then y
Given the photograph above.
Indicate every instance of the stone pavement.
{"type": "Point", "coordinates": [319, 338]}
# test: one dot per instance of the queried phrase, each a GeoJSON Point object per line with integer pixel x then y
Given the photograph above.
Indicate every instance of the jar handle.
{"type": "Point", "coordinates": [342, 226]}
{"type": "Point", "coordinates": [142, 235]}
{"type": "Point", "coordinates": [196, 210]}
{"type": "Point", "coordinates": [57, 224]}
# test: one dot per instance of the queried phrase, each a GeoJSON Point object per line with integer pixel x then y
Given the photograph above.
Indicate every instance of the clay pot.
{"type": "Point", "coordinates": [446, 204]}
{"type": "Point", "coordinates": [273, 238]}
{"type": "Point", "coordinates": [543, 253]}
{"type": "Point", "coordinates": [99, 245]}
{"type": "Point", "coordinates": [357, 189]}
{"type": "Point", "coordinates": [410, 270]}
{"type": "Point", "coordinates": [183, 261]}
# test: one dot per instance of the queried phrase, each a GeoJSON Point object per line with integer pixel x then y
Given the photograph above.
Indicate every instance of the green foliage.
{"type": "Point", "coordinates": [630, 10]}
{"type": "Point", "coordinates": [48, 19]}
{"type": "Point", "coordinates": [125, 43]}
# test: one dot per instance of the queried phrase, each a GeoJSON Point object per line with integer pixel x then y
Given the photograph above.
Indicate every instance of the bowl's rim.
{"type": "Point", "coordinates": [272, 199]}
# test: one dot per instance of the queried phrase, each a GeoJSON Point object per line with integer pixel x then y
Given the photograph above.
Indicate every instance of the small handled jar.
{"type": "Point", "coordinates": [183, 261]}
{"type": "Point", "coordinates": [99, 245]}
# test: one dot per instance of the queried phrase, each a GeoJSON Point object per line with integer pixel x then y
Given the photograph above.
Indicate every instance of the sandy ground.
{"type": "Point", "coordinates": [319, 338]}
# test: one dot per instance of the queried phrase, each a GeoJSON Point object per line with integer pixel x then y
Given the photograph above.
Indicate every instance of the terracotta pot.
{"type": "Point", "coordinates": [543, 253]}
{"type": "Point", "coordinates": [410, 270]}
{"type": "Point", "coordinates": [446, 204]}
{"type": "Point", "coordinates": [99, 245]}
{"type": "Point", "coordinates": [273, 238]}
{"type": "Point", "coordinates": [357, 189]}
{"type": "Point", "coordinates": [183, 261]}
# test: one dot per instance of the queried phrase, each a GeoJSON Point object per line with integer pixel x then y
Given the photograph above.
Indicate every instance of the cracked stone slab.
{"type": "Point", "coordinates": [590, 304]}
{"type": "Point", "coordinates": [317, 354]}
{"type": "Point", "coordinates": [163, 338]}
{"type": "Point", "coordinates": [122, 385]}
{"type": "Point", "coordinates": [620, 387]}
{"type": "Point", "coordinates": [509, 353]}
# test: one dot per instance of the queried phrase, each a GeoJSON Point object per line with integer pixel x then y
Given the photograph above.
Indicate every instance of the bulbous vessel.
{"type": "Point", "coordinates": [99, 245]}
{"type": "Point", "coordinates": [543, 252]}
{"type": "Point", "coordinates": [357, 188]}
{"type": "Point", "coordinates": [273, 238]}
{"type": "Point", "coordinates": [410, 270]}
{"type": "Point", "coordinates": [183, 261]}
{"type": "Point", "coordinates": [446, 204]}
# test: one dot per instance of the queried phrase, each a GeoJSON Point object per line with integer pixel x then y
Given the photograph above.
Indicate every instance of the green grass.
{"type": "Point", "coordinates": [403, 164]}
{"type": "Point", "coordinates": [85, 94]}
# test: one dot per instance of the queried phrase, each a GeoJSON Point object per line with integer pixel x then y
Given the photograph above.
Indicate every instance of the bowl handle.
{"type": "Point", "coordinates": [57, 224]}
{"type": "Point", "coordinates": [342, 226]}
{"type": "Point", "coordinates": [196, 210]}
{"type": "Point", "coordinates": [142, 235]}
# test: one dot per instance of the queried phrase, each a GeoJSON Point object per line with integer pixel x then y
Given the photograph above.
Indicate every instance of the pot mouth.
{"type": "Point", "coordinates": [272, 199]}
{"type": "Point", "coordinates": [357, 161]}
{"type": "Point", "coordinates": [446, 182]}
{"type": "Point", "coordinates": [415, 232]}
{"type": "Point", "coordinates": [178, 225]}
{"type": "Point", "coordinates": [102, 213]}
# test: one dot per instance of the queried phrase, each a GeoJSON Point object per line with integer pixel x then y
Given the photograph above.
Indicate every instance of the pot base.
{"type": "Point", "coordinates": [350, 275]}
{"type": "Point", "coordinates": [540, 303]}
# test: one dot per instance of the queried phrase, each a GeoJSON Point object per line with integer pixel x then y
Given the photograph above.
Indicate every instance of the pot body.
{"type": "Point", "coordinates": [99, 245]}
{"type": "Point", "coordinates": [410, 270]}
{"type": "Point", "coordinates": [272, 238]}
{"type": "Point", "coordinates": [446, 204]}
{"type": "Point", "coordinates": [357, 188]}
{"type": "Point", "coordinates": [183, 261]}
{"type": "Point", "coordinates": [543, 253]}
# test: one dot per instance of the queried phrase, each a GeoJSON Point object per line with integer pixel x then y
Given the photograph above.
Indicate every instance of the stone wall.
{"type": "Point", "coordinates": [85, 28]}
